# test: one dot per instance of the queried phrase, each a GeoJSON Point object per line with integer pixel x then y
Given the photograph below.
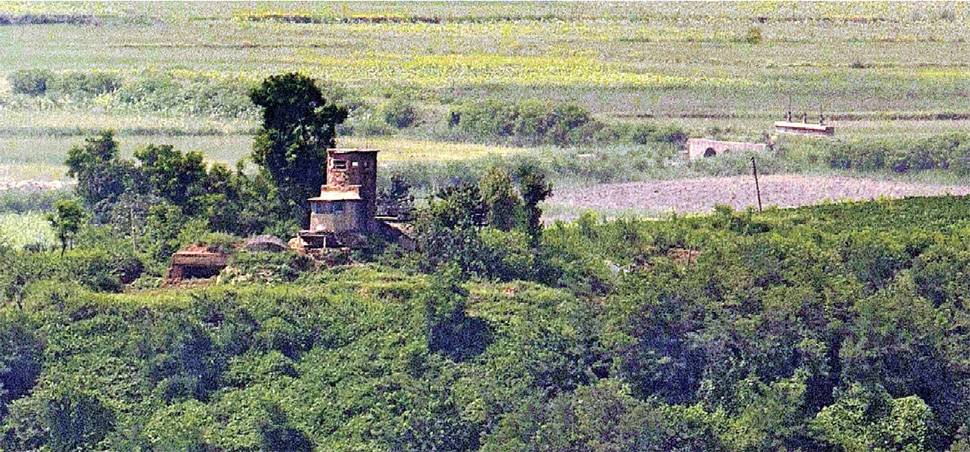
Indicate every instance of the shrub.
{"type": "Point", "coordinates": [530, 122]}
{"type": "Point", "coordinates": [32, 82]}
{"type": "Point", "coordinates": [399, 112]}
{"type": "Point", "coordinates": [20, 359]}
{"type": "Point", "coordinates": [900, 155]}
{"type": "Point", "coordinates": [61, 419]}
{"type": "Point", "coordinates": [84, 84]}
{"type": "Point", "coordinates": [190, 95]}
{"type": "Point", "coordinates": [39, 200]}
{"type": "Point", "coordinates": [507, 255]}
{"type": "Point", "coordinates": [265, 266]}
{"type": "Point", "coordinates": [753, 35]}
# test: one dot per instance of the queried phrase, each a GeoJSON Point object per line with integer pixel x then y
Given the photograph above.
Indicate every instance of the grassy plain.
{"type": "Point", "coordinates": [724, 69]}
{"type": "Point", "coordinates": [17, 230]}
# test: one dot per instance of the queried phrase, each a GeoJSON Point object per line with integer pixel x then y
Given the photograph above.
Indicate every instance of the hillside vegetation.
{"type": "Point", "coordinates": [837, 327]}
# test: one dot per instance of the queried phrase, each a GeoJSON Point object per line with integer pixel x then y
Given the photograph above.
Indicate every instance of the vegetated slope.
{"type": "Point", "coordinates": [837, 326]}
{"type": "Point", "coordinates": [702, 194]}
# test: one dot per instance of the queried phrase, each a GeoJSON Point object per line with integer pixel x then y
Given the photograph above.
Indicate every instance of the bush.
{"type": "Point", "coordinates": [84, 84]}
{"type": "Point", "coordinates": [530, 122]}
{"type": "Point", "coordinates": [20, 359]}
{"type": "Point", "coordinates": [265, 266]}
{"type": "Point", "coordinates": [399, 112]}
{"type": "Point", "coordinates": [197, 95]}
{"type": "Point", "coordinates": [943, 152]}
{"type": "Point", "coordinates": [753, 36]}
{"type": "Point", "coordinates": [640, 134]}
{"type": "Point", "coordinates": [508, 255]}
{"type": "Point", "coordinates": [32, 82]}
{"type": "Point", "coordinates": [64, 419]}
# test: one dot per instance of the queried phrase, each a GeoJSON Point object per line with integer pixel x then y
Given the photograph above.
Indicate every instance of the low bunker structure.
{"type": "Point", "coordinates": [196, 263]}
{"type": "Point", "coordinates": [701, 147]}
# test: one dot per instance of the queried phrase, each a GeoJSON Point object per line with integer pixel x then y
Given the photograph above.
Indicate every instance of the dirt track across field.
{"type": "Point", "coordinates": [700, 195]}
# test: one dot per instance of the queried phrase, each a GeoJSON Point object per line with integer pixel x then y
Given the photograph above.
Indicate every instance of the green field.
{"type": "Point", "coordinates": [18, 230]}
{"type": "Point", "coordinates": [725, 69]}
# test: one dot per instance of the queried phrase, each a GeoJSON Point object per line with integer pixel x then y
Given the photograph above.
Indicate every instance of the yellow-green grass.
{"type": "Point", "coordinates": [17, 230]}
{"type": "Point", "coordinates": [58, 120]}
{"type": "Point", "coordinates": [400, 149]}
{"type": "Point", "coordinates": [13, 172]}
{"type": "Point", "coordinates": [42, 158]}
{"type": "Point", "coordinates": [689, 65]}
{"type": "Point", "coordinates": [635, 47]}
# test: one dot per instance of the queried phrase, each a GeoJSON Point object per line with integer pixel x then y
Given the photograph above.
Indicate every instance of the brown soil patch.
{"type": "Point", "coordinates": [700, 195]}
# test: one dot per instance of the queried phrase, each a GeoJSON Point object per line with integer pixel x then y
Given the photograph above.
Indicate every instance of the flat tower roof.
{"type": "Point", "coordinates": [351, 150]}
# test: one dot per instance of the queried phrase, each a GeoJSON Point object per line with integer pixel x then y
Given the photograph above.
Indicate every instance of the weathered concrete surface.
{"type": "Point", "coordinates": [701, 147]}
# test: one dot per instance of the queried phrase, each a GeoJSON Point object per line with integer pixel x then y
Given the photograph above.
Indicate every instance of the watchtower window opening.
{"type": "Point", "coordinates": [710, 152]}
{"type": "Point", "coordinates": [339, 164]}
{"type": "Point", "coordinates": [354, 164]}
{"type": "Point", "coordinates": [338, 207]}
{"type": "Point", "coordinates": [318, 208]}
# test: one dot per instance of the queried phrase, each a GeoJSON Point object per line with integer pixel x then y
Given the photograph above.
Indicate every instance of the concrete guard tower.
{"type": "Point", "coordinates": [344, 213]}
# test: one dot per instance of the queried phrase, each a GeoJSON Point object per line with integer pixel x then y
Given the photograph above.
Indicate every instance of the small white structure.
{"type": "Point", "coordinates": [804, 128]}
{"type": "Point", "coordinates": [701, 147]}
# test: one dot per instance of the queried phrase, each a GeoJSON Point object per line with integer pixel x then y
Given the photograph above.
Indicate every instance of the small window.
{"type": "Point", "coordinates": [354, 164]}
{"type": "Point", "coordinates": [316, 208]}
{"type": "Point", "coordinates": [338, 207]}
{"type": "Point", "coordinates": [339, 164]}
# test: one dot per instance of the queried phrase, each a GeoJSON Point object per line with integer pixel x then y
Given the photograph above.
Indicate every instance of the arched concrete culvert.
{"type": "Point", "coordinates": [710, 152]}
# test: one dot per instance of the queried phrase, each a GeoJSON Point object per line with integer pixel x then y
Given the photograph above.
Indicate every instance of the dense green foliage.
{"type": "Point", "coordinates": [491, 228]}
{"type": "Point", "coordinates": [951, 151]}
{"type": "Point", "coordinates": [66, 221]}
{"type": "Point", "coordinates": [159, 192]}
{"type": "Point", "coordinates": [836, 327]}
{"type": "Point", "coordinates": [534, 122]}
{"type": "Point", "coordinates": [297, 129]}
{"type": "Point", "coordinates": [32, 82]}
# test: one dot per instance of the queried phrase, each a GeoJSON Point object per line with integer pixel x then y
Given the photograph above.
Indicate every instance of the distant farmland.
{"type": "Point", "coordinates": [181, 73]}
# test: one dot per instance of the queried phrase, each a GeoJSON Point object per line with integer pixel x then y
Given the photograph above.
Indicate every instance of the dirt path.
{"type": "Point", "coordinates": [700, 195]}
{"type": "Point", "coordinates": [33, 184]}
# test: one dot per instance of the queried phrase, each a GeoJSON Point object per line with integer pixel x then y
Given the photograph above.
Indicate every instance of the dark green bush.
{"type": "Point", "coordinates": [399, 111]}
{"type": "Point", "coordinates": [942, 152]}
{"type": "Point", "coordinates": [84, 84]}
{"type": "Point", "coordinates": [20, 359]}
{"type": "Point", "coordinates": [530, 122]}
{"type": "Point", "coordinates": [32, 82]}
{"type": "Point", "coordinates": [266, 266]}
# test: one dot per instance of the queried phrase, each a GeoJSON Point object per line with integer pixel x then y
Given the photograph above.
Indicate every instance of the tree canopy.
{"type": "Point", "coordinates": [298, 126]}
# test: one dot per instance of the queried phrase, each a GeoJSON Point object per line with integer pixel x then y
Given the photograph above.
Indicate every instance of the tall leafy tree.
{"type": "Point", "coordinates": [175, 176]}
{"type": "Point", "coordinates": [291, 144]}
{"type": "Point", "coordinates": [534, 189]}
{"type": "Point", "coordinates": [101, 175]}
{"type": "Point", "coordinates": [66, 221]}
{"type": "Point", "coordinates": [500, 198]}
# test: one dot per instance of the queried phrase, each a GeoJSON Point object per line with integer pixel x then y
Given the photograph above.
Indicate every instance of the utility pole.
{"type": "Point", "coordinates": [789, 104]}
{"type": "Point", "coordinates": [757, 188]}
